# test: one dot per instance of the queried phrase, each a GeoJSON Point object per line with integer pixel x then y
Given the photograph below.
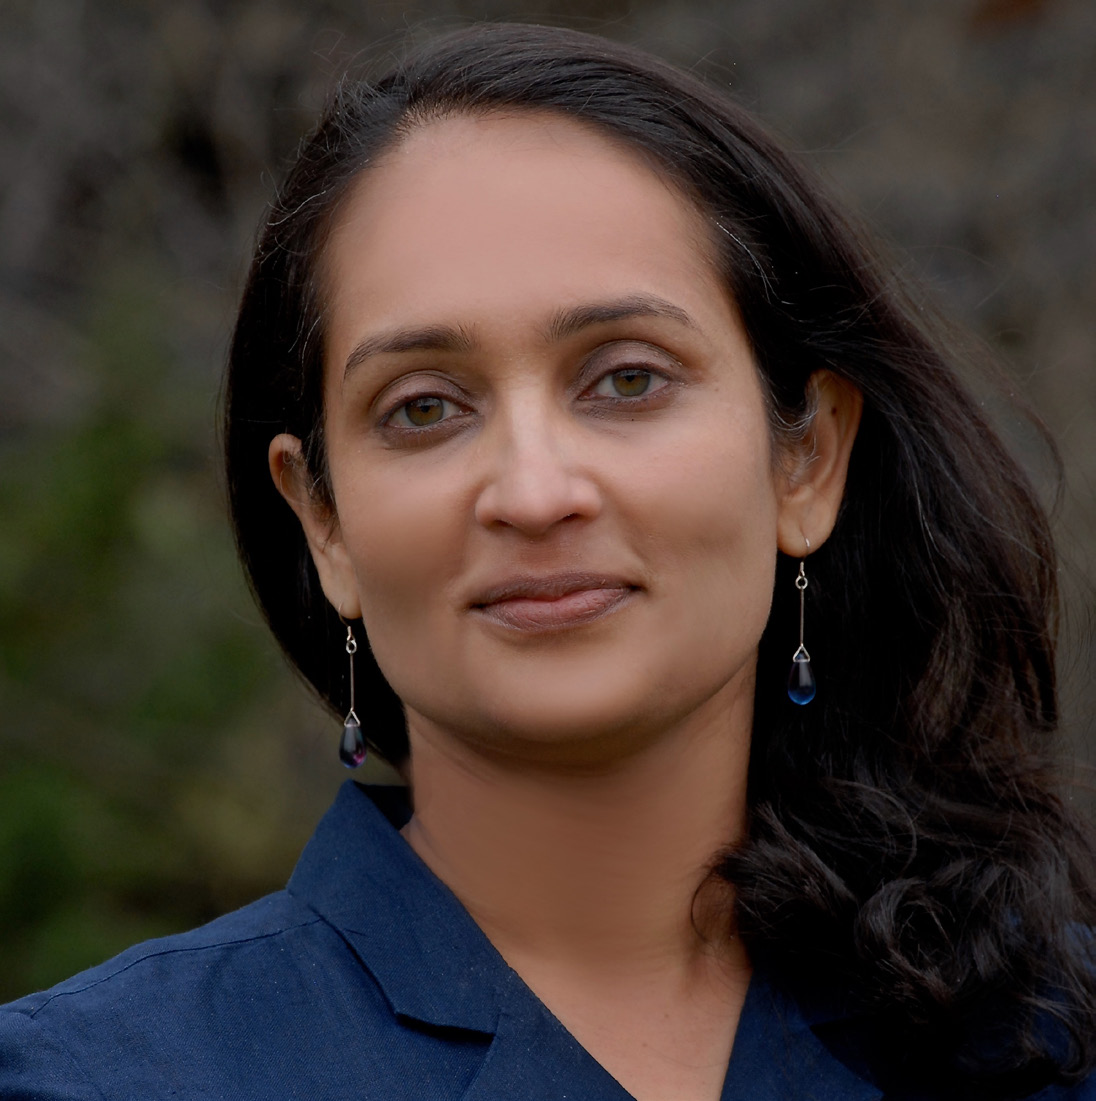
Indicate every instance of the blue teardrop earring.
{"type": "Point", "coordinates": [801, 682]}
{"type": "Point", "coordinates": [352, 746]}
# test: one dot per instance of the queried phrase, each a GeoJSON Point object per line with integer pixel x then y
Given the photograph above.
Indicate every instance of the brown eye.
{"type": "Point", "coordinates": [424, 411]}
{"type": "Point", "coordinates": [631, 382]}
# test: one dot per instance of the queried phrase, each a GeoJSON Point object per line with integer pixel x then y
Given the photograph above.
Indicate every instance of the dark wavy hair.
{"type": "Point", "coordinates": [908, 843]}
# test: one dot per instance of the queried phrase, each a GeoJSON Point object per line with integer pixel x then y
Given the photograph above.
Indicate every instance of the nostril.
{"type": "Point", "coordinates": [535, 494]}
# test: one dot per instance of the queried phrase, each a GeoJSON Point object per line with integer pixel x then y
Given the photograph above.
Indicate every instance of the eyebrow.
{"type": "Point", "coordinates": [432, 338]}
{"type": "Point", "coordinates": [564, 323]}
{"type": "Point", "coordinates": [570, 321]}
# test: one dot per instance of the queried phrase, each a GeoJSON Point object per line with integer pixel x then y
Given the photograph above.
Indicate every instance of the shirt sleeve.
{"type": "Point", "coordinates": [36, 1066]}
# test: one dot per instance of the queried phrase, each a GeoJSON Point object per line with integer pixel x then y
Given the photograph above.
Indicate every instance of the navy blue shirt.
{"type": "Point", "coordinates": [365, 978]}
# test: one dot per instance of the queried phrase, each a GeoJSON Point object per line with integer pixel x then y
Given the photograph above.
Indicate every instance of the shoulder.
{"type": "Point", "coordinates": [175, 966]}
{"type": "Point", "coordinates": [174, 1008]}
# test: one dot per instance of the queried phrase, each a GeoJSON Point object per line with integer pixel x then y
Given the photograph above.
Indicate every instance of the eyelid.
{"type": "Point", "coordinates": [411, 388]}
{"type": "Point", "coordinates": [656, 376]}
{"type": "Point", "coordinates": [603, 362]}
{"type": "Point", "coordinates": [448, 405]}
{"type": "Point", "coordinates": [636, 355]}
{"type": "Point", "coordinates": [633, 353]}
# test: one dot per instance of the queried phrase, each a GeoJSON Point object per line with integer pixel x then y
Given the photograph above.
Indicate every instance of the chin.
{"type": "Point", "coordinates": [581, 746]}
{"type": "Point", "coordinates": [581, 721]}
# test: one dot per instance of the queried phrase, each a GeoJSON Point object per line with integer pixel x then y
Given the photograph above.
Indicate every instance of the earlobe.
{"type": "Point", "coordinates": [320, 525]}
{"type": "Point", "coordinates": [808, 510]}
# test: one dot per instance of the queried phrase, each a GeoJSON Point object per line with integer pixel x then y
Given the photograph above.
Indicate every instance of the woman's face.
{"type": "Point", "coordinates": [557, 500]}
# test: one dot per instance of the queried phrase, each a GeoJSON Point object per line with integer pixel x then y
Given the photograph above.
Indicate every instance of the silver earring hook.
{"type": "Point", "coordinates": [352, 748]}
{"type": "Point", "coordinates": [351, 649]}
{"type": "Point", "coordinates": [801, 682]}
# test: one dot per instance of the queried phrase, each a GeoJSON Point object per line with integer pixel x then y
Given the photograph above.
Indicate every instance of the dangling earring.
{"type": "Point", "coordinates": [801, 682]}
{"type": "Point", "coordinates": [352, 746]}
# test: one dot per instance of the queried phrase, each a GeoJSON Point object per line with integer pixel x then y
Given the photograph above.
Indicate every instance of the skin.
{"type": "Point", "coordinates": [558, 509]}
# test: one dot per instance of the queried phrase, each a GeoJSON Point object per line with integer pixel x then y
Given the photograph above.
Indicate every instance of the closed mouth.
{"type": "Point", "coordinates": [554, 602]}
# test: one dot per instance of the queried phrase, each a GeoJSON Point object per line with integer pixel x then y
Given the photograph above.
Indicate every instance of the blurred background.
{"type": "Point", "coordinates": [159, 764]}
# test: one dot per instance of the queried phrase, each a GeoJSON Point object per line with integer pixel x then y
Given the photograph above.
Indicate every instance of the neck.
{"type": "Point", "coordinates": [593, 870]}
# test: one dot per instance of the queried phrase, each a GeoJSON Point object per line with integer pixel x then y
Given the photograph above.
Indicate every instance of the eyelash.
{"type": "Point", "coordinates": [636, 369]}
{"type": "Point", "coordinates": [620, 399]}
{"type": "Point", "coordinates": [405, 405]}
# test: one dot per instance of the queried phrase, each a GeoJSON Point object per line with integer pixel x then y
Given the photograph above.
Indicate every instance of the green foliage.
{"type": "Point", "coordinates": [129, 653]}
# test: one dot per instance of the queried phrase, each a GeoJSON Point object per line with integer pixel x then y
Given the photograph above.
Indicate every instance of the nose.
{"type": "Point", "coordinates": [535, 479]}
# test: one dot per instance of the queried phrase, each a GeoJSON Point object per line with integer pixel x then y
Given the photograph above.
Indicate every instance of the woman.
{"type": "Point", "coordinates": [585, 458]}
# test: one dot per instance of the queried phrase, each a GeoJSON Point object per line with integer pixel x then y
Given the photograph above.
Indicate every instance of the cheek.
{"type": "Point", "coordinates": [720, 510]}
{"type": "Point", "coordinates": [405, 537]}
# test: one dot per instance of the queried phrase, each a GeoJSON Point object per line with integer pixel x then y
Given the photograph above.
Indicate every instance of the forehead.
{"type": "Point", "coordinates": [511, 211]}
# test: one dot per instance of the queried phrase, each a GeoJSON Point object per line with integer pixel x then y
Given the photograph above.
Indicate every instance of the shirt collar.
{"type": "Point", "coordinates": [778, 1052]}
{"type": "Point", "coordinates": [429, 957]}
{"type": "Point", "coordinates": [435, 965]}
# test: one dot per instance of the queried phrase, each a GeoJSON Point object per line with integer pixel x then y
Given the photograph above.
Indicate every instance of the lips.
{"type": "Point", "coordinates": [553, 602]}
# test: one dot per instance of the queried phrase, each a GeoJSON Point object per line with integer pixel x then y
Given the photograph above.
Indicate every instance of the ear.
{"type": "Point", "coordinates": [320, 524]}
{"type": "Point", "coordinates": [817, 468]}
